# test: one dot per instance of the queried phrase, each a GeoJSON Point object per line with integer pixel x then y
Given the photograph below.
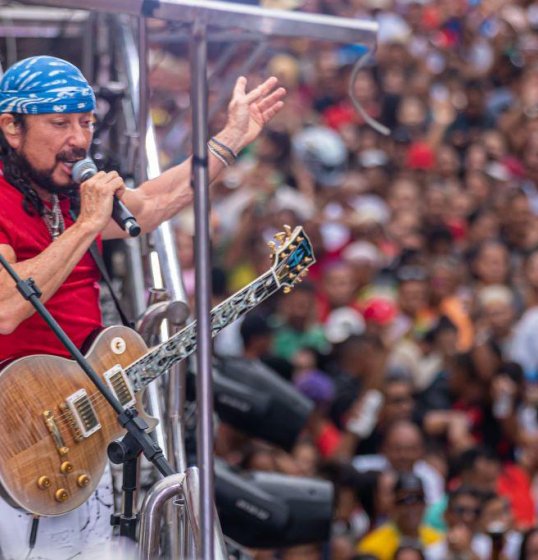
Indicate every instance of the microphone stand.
{"type": "Point", "coordinates": [135, 441]}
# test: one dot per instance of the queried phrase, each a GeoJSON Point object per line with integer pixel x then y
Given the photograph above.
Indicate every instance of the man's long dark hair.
{"type": "Point", "coordinates": [16, 173]}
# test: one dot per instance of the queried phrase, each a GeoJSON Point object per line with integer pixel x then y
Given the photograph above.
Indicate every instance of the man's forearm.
{"type": "Point", "coordinates": [158, 200]}
{"type": "Point", "coordinates": [49, 270]}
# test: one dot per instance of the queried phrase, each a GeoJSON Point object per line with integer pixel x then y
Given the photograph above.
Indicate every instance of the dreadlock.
{"type": "Point", "coordinates": [16, 174]}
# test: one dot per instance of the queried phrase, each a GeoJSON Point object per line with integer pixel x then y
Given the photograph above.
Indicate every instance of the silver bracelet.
{"type": "Point", "coordinates": [224, 147]}
{"type": "Point", "coordinates": [217, 155]}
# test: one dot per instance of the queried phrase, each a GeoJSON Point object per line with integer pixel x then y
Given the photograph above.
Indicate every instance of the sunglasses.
{"type": "Point", "coordinates": [409, 500]}
{"type": "Point", "coordinates": [462, 510]}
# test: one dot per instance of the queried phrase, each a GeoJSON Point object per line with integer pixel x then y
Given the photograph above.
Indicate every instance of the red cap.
{"type": "Point", "coordinates": [379, 310]}
{"type": "Point", "coordinates": [420, 156]}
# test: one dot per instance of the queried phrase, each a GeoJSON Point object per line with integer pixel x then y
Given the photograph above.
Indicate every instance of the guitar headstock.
{"type": "Point", "coordinates": [292, 256]}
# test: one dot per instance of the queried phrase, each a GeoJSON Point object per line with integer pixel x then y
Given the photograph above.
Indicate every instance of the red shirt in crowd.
{"type": "Point", "coordinates": [75, 305]}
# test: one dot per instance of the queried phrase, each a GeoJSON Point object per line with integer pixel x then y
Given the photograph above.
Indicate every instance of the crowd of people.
{"type": "Point", "coordinates": [416, 330]}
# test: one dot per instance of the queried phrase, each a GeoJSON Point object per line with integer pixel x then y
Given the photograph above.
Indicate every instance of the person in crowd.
{"type": "Point", "coordinates": [477, 468]}
{"type": "Point", "coordinates": [295, 324]}
{"type": "Point", "coordinates": [461, 517]}
{"type": "Point", "coordinates": [402, 450]}
{"type": "Point", "coordinates": [497, 538]}
{"type": "Point", "coordinates": [405, 526]}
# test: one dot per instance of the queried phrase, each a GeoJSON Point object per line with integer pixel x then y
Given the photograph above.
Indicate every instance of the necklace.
{"type": "Point", "coordinates": [53, 218]}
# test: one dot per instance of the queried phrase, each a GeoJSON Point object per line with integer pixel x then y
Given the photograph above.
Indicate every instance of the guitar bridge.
{"type": "Point", "coordinates": [83, 413]}
{"type": "Point", "coordinates": [54, 431]}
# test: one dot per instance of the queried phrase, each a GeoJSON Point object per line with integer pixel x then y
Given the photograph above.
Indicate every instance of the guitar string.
{"type": "Point", "coordinates": [96, 398]}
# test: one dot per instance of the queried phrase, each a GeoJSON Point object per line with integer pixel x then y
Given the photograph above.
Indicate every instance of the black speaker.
{"type": "Point", "coordinates": [253, 399]}
{"type": "Point", "coordinates": [272, 510]}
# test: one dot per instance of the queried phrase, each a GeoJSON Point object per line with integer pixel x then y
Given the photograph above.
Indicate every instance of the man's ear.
{"type": "Point", "coordinates": [12, 131]}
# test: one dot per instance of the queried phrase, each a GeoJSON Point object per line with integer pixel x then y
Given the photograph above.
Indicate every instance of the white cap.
{"type": "Point", "coordinates": [342, 323]}
{"type": "Point", "coordinates": [362, 252]}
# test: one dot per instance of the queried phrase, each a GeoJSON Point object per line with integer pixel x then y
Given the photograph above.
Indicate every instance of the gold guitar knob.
{"type": "Point", "coordinates": [43, 482]}
{"type": "Point", "coordinates": [61, 495]}
{"type": "Point", "coordinates": [66, 467]}
{"type": "Point", "coordinates": [286, 289]}
{"type": "Point", "coordinates": [83, 480]}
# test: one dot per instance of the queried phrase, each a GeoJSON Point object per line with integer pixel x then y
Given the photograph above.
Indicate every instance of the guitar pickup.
{"type": "Point", "coordinates": [83, 413]}
{"type": "Point", "coordinates": [119, 384]}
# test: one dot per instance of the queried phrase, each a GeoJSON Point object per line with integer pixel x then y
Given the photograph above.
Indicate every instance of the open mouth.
{"type": "Point", "coordinates": [67, 165]}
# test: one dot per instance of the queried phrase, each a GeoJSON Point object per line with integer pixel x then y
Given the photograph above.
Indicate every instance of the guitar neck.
{"type": "Point", "coordinates": [183, 343]}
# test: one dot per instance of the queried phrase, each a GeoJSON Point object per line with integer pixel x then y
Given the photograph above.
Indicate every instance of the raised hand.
{"type": "Point", "coordinates": [249, 112]}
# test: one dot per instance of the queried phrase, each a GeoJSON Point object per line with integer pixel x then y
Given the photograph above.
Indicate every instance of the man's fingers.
{"type": "Point", "coordinates": [240, 85]}
{"type": "Point", "coordinates": [268, 114]}
{"type": "Point", "coordinates": [270, 100]}
{"type": "Point", "coordinates": [262, 90]}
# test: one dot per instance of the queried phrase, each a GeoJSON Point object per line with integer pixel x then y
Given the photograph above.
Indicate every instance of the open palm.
{"type": "Point", "coordinates": [249, 112]}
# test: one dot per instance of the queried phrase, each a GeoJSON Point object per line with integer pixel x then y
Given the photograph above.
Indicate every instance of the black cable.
{"type": "Point", "coordinates": [33, 532]}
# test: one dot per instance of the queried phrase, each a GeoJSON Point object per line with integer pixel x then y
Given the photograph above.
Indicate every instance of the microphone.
{"type": "Point", "coordinates": [84, 170]}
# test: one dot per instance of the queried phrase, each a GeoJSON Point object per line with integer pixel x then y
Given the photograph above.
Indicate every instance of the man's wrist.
{"type": "Point", "coordinates": [231, 138]}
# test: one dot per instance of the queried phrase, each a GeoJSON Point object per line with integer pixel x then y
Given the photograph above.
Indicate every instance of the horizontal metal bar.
{"type": "Point", "coordinates": [238, 16]}
{"type": "Point", "coordinates": [42, 14]}
{"type": "Point", "coordinates": [39, 31]}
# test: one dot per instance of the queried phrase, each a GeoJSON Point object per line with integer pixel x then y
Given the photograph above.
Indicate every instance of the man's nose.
{"type": "Point", "coordinates": [78, 136]}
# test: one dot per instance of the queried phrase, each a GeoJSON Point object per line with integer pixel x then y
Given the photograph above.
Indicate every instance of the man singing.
{"type": "Point", "coordinates": [46, 125]}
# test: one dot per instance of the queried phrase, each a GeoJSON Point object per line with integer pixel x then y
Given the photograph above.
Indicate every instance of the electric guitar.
{"type": "Point", "coordinates": [56, 426]}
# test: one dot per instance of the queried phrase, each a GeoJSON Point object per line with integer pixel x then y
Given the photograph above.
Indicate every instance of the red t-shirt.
{"type": "Point", "coordinates": [75, 305]}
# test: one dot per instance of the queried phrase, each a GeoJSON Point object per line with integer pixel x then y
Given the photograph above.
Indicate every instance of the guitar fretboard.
{"type": "Point", "coordinates": [183, 343]}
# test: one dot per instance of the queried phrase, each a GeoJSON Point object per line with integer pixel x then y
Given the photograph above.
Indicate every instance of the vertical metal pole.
{"type": "Point", "coordinates": [203, 288]}
{"type": "Point", "coordinates": [143, 90]}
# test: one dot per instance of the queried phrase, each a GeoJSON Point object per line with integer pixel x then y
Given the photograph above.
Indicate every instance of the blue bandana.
{"type": "Point", "coordinates": [45, 84]}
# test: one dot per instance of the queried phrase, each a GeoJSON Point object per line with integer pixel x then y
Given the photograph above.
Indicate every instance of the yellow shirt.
{"type": "Point", "coordinates": [383, 542]}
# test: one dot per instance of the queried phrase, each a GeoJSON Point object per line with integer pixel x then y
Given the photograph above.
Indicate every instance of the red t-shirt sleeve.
{"type": "Point", "coordinates": [328, 440]}
{"type": "Point", "coordinates": [515, 485]}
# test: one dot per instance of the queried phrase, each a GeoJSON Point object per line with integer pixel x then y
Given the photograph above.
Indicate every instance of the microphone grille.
{"type": "Point", "coordinates": [83, 170]}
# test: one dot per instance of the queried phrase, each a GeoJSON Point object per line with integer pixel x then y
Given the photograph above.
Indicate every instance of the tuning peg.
{"type": "Point", "coordinates": [292, 277]}
{"type": "Point", "coordinates": [286, 289]}
{"type": "Point", "coordinates": [272, 246]}
{"type": "Point", "coordinates": [280, 236]}
{"type": "Point", "coordinates": [287, 229]}
{"type": "Point", "coordinates": [303, 274]}
{"type": "Point", "coordinates": [299, 267]}
{"type": "Point", "coordinates": [300, 238]}
{"type": "Point", "coordinates": [308, 260]}
{"type": "Point", "coordinates": [292, 247]}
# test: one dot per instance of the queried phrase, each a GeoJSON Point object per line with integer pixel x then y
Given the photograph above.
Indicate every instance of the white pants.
{"type": "Point", "coordinates": [82, 534]}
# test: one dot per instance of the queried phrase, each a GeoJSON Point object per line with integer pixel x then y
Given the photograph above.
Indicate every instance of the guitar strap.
{"type": "Point", "coordinates": [98, 259]}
